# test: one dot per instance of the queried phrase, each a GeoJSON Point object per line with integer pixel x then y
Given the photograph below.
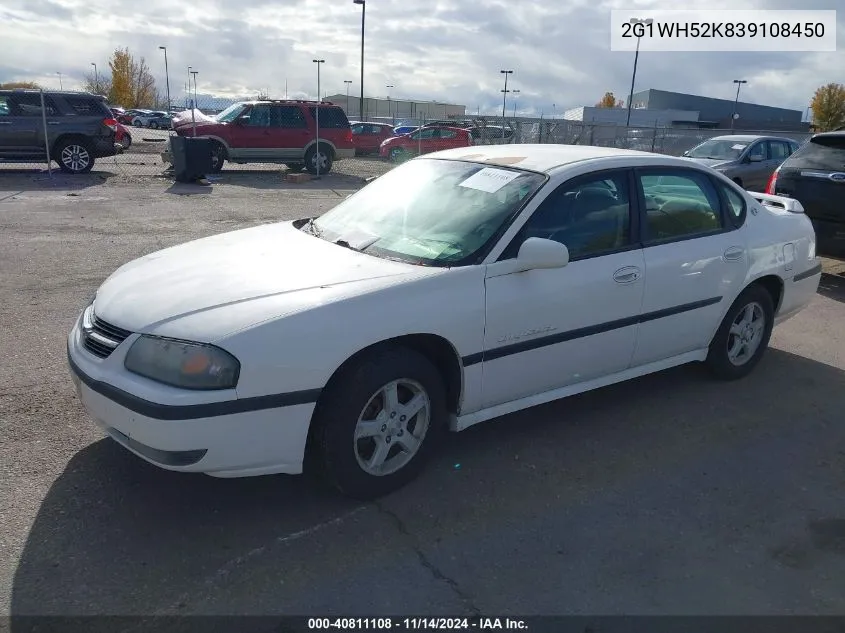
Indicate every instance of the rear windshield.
{"type": "Point", "coordinates": [824, 152]}
{"type": "Point", "coordinates": [331, 117]}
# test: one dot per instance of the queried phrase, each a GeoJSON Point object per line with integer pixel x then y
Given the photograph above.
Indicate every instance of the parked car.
{"type": "Point", "coordinates": [275, 131]}
{"type": "Point", "coordinates": [368, 137]}
{"type": "Point", "coordinates": [424, 141]}
{"type": "Point", "coordinates": [815, 176]}
{"type": "Point", "coordinates": [399, 130]}
{"type": "Point", "coordinates": [122, 136]}
{"type": "Point", "coordinates": [117, 111]}
{"type": "Point", "coordinates": [747, 160]}
{"type": "Point", "coordinates": [127, 116]}
{"type": "Point", "coordinates": [143, 119]}
{"type": "Point", "coordinates": [535, 266]}
{"type": "Point", "coordinates": [162, 121]}
{"type": "Point", "coordinates": [80, 128]}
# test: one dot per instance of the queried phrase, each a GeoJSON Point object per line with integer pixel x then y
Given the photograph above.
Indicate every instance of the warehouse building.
{"type": "Point", "coordinates": [717, 113]}
{"type": "Point", "coordinates": [396, 109]}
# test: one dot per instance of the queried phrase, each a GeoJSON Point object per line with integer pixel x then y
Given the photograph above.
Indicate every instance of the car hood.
{"type": "Point", "coordinates": [270, 263]}
{"type": "Point", "coordinates": [712, 162]}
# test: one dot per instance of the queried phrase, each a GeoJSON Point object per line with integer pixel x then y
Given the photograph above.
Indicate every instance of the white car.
{"type": "Point", "coordinates": [460, 286]}
{"type": "Point", "coordinates": [143, 120]}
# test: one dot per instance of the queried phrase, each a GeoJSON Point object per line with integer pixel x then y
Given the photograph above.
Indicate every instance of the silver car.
{"type": "Point", "coordinates": [747, 160]}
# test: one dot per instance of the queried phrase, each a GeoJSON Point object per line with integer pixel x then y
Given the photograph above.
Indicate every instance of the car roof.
{"type": "Point", "coordinates": [542, 158]}
{"type": "Point", "coordinates": [833, 134]}
{"type": "Point", "coordinates": [746, 138]}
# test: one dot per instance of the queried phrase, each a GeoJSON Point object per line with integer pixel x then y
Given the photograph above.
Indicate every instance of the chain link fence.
{"type": "Point", "coordinates": [144, 141]}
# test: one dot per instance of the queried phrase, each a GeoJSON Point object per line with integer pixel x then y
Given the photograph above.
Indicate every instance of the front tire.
{"type": "Point", "coordinates": [74, 157]}
{"type": "Point", "coordinates": [218, 158]}
{"type": "Point", "coordinates": [743, 336]}
{"type": "Point", "coordinates": [377, 424]}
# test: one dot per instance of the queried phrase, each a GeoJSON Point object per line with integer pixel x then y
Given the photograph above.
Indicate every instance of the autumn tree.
{"type": "Point", "coordinates": [11, 85]}
{"type": "Point", "coordinates": [829, 107]}
{"type": "Point", "coordinates": [132, 84]}
{"type": "Point", "coordinates": [609, 101]}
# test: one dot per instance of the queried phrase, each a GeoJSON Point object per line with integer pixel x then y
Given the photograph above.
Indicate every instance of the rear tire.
{"type": "Point", "coordinates": [369, 401]}
{"type": "Point", "coordinates": [74, 156]}
{"type": "Point", "coordinates": [743, 336]}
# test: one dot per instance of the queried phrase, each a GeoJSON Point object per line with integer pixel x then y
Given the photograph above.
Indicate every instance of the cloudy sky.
{"type": "Point", "coordinates": [445, 50]}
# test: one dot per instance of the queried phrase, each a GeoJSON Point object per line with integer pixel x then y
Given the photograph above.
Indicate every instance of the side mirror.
{"type": "Point", "coordinates": [538, 252]}
{"type": "Point", "coordinates": [686, 153]}
{"type": "Point", "coordinates": [242, 120]}
{"type": "Point", "coordinates": [756, 158]}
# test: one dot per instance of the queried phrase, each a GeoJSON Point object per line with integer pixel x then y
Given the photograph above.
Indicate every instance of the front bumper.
{"type": "Point", "coordinates": [256, 442]}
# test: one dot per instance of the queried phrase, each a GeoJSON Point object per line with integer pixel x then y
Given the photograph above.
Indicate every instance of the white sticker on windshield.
{"type": "Point", "coordinates": [739, 146]}
{"type": "Point", "coordinates": [490, 179]}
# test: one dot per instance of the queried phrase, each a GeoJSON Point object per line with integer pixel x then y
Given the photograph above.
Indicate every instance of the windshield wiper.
{"type": "Point", "coordinates": [345, 244]}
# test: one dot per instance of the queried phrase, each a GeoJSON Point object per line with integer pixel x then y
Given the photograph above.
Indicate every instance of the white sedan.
{"type": "Point", "coordinates": [460, 286]}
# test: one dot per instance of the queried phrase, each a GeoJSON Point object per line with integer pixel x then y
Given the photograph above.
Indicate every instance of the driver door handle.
{"type": "Point", "coordinates": [734, 253]}
{"type": "Point", "coordinates": [626, 275]}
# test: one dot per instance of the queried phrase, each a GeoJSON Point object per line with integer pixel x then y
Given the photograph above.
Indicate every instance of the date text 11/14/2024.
{"type": "Point", "coordinates": [417, 624]}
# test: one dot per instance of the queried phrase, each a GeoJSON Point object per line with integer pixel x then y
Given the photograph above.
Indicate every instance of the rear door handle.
{"type": "Point", "coordinates": [734, 253]}
{"type": "Point", "coordinates": [5, 122]}
{"type": "Point", "coordinates": [626, 275]}
{"type": "Point", "coordinates": [54, 122]}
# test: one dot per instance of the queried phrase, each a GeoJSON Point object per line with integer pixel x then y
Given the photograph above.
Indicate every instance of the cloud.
{"type": "Point", "coordinates": [441, 50]}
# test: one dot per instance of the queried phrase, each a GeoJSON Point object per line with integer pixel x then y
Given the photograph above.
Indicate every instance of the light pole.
{"type": "Point", "coordinates": [317, 154]}
{"type": "Point", "coordinates": [96, 80]}
{"type": "Point", "coordinates": [389, 106]}
{"type": "Point", "coordinates": [188, 90]}
{"type": "Point", "coordinates": [166, 78]}
{"type": "Point", "coordinates": [363, 4]}
{"type": "Point", "coordinates": [348, 83]}
{"type": "Point", "coordinates": [735, 114]}
{"type": "Point", "coordinates": [635, 21]}
{"type": "Point", "coordinates": [505, 99]}
{"type": "Point", "coordinates": [195, 73]}
{"type": "Point", "coordinates": [515, 92]}
{"type": "Point", "coordinates": [61, 87]}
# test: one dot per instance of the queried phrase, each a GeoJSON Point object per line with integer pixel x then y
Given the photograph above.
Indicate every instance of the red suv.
{"type": "Point", "coordinates": [275, 132]}
{"type": "Point", "coordinates": [425, 141]}
{"type": "Point", "coordinates": [368, 137]}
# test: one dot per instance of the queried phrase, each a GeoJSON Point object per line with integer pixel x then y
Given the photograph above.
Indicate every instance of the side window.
{"type": "Point", "coordinates": [448, 134]}
{"type": "Point", "coordinates": [423, 134]}
{"type": "Point", "coordinates": [259, 116]}
{"type": "Point", "coordinates": [758, 150]}
{"type": "Point", "coordinates": [288, 117]}
{"type": "Point", "coordinates": [679, 205]}
{"type": "Point", "coordinates": [4, 105]}
{"type": "Point", "coordinates": [592, 217]}
{"type": "Point", "coordinates": [736, 205]}
{"type": "Point", "coordinates": [29, 104]}
{"type": "Point", "coordinates": [358, 129]}
{"type": "Point", "coordinates": [778, 150]}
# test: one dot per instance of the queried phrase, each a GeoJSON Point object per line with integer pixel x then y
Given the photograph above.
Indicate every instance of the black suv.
{"type": "Point", "coordinates": [815, 176]}
{"type": "Point", "coordinates": [80, 128]}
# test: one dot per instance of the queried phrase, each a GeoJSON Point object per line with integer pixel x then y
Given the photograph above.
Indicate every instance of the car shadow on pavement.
{"type": "Point", "coordinates": [19, 180]}
{"type": "Point", "coordinates": [833, 286]}
{"type": "Point", "coordinates": [115, 535]}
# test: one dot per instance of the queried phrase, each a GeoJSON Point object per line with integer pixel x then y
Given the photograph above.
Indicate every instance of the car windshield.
{"type": "Point", "coordinates": [718, 150]}
{"type": "Point", "coordinates": [429, 211]}
{"type": "Point", "coordinates": [231, 113]}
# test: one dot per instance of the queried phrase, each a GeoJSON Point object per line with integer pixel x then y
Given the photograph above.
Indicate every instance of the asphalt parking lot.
{"type": "Point", "coordinates": [670, 494]}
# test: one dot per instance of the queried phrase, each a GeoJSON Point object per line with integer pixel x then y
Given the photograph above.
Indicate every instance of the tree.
{"type": "Point", "coordinates": [609, 101]}
{"type": "Point", "coordinates": [11, 85]}
{"type": "Point", "coordinates": [132, 84]}
{"type": "Point", "coordinates": [99, 85]}
{"type": "Point", "coordinates": [829, 107]}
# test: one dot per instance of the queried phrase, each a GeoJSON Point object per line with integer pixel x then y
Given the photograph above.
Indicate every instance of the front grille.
{"type": "Point", "coordinates": [99, 337]}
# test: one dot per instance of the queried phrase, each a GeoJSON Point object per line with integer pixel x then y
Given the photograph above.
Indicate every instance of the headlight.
{"type": "Point", "coordinates": [183, 364]}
